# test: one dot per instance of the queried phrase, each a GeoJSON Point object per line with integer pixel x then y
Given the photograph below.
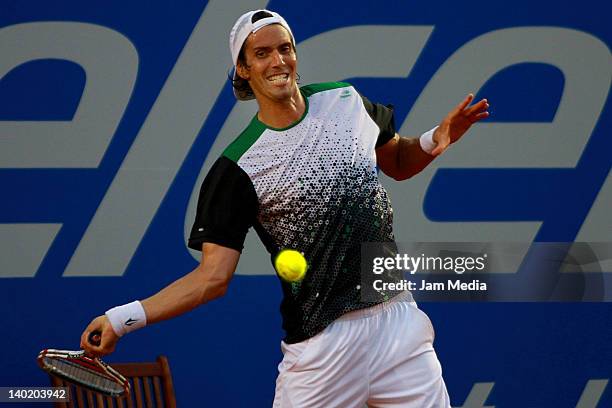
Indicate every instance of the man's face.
{"type": "Point", "coordinates": [271, 64]}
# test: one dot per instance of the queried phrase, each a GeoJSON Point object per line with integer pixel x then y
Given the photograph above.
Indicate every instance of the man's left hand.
{"type": "Point", "coordinates": [457, 122]}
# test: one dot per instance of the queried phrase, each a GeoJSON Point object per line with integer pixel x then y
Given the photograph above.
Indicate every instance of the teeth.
{"type": "Point", "coordinates": [279, 78]}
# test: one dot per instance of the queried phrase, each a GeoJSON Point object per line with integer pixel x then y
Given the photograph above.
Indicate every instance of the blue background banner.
{"type": "Point", "coordinates": [111, 112]}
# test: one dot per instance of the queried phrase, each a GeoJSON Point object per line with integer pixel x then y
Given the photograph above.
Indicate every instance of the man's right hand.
{"type": "Point", "coordinates": [108, 338]}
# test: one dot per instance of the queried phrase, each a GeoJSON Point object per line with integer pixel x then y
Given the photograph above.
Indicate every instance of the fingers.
{"type": "Point", "coordinates": [459, 121]}
{"type": "Point", "coordinates": [477, 111]}
{"type": "Point", "coordinates": [85, 335]}
{"type": "Point", "coordinates": [99, 344]}
{"type": "Point", "coordinates": [482, 105]}
{"type": "Point", "coordinates": [468, 99]}
{"type": "Point", "coordinates": [471, 111]}
{"type": "Point", "coordinates": [479, 116]}
{"type": "Point", "coordinates": [87, 346]}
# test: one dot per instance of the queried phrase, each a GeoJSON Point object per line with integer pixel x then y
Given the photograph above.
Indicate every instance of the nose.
{"type": "Point", "coordinates": [278, 58]}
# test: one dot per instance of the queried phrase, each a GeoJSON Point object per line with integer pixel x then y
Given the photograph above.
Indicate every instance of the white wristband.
{"type": "Point", "coordinates": [426, 141]}
{"type": "Point", "coordinates": [127, 318]}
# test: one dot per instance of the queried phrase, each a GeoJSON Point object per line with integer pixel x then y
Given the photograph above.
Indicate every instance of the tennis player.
{"type": "Point", "coordinates": [304, 175]}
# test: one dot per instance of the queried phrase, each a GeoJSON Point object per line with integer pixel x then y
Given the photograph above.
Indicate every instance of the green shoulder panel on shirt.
{"type": "Point", "coordinates": [250, 135]}
{"type": "Point", "coordinates": [312, 89]}
{"type": "Point", "coordinates": [246, 139]}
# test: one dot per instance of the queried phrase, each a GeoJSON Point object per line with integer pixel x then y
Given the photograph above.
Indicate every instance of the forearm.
{"type": "Point", "coordinates": [206, 282]}
{"type": "Point", "coordinates": [183, 295]}
{"type": "Point", "coordinates": [410, 159]}
{"type": "Point", "coordinates": [403, 157]}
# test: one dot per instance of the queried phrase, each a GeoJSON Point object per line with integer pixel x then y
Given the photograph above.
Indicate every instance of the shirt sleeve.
{"type": "Point", "coordinates": [383, 116]}
{"type": "Point", "coordinates": [227, 207]}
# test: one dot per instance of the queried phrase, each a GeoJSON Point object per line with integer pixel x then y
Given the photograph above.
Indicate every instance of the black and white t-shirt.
{"type": "Point", "coordinates": [312, 187]}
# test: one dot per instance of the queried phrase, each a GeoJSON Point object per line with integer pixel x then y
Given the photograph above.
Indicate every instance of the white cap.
{"type": "Point", "coordinates": [242, 29]}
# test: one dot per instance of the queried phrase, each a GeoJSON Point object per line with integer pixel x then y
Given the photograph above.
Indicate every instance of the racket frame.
{"type": "Point", "coordinates": [93, 363]}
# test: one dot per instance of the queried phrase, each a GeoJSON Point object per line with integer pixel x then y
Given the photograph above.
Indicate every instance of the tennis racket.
{"type": "Point", "coordinates": [82, 369]}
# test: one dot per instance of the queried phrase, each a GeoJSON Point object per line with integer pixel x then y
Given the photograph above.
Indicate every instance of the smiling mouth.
{"type": "Point", "coordinates": [279, 79]}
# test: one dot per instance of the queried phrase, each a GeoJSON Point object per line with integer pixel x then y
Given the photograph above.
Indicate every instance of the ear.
{"type": "Point", "coordinates": [243, 72]}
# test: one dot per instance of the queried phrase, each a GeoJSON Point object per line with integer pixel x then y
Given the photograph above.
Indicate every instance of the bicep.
{"type": "Point", "coordinates": [218, 262]}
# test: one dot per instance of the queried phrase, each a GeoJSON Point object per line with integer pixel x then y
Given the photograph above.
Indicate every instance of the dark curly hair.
{"type": "Point", "coordinates": [240, 84]}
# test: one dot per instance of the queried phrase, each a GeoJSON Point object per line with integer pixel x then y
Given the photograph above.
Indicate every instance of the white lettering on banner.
{"type": "Point", "coordinates": [24, 247]}
{"type": "Point", "coordinates": [591, 395]}
{"type": "Point", "coordinates": [160, 147]}
{"type": "Point", "coordinates": [478, 396]}
{"type": "Point", "coordinates": [80, 142]}
{"type": "Point", "coordinates": [342, 50]}
{"type": "Point", "coordinates": [597, 226]}
{"type": "Point", "coordinates": [586, 64]}
{"type": "Point", "coordinates": [110, 62]}
{"type": "Point", "coordinates": [195, 82]}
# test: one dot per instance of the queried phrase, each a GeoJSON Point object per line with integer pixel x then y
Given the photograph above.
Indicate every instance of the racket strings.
{"type": "Point", "coordinates": [75, 370]}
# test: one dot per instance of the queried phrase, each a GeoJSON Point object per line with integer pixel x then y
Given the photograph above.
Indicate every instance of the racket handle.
{"type": "Point", "coordinates": [95, 337]}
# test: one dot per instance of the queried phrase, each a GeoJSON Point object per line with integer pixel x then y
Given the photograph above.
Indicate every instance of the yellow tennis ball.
{"type": "Point", "coordinates": [290, 265]}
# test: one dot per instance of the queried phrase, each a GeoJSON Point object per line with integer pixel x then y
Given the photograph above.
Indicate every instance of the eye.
{"type": "Point", "coordinates": [285, 49]}
{"type": "Point", "coordinates": [260, 54]}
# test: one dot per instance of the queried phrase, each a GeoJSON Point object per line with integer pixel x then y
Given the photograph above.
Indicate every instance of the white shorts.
{"type": "Point", "coordinates": [381, 356]}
